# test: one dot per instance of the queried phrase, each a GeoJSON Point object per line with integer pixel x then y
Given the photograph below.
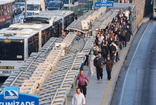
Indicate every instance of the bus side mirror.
{"type": "Point", "coordinates": [40, 9]}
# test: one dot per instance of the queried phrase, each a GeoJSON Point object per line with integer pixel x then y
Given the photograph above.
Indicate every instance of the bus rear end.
{"type": "Point", "coordinates": [11, 55]}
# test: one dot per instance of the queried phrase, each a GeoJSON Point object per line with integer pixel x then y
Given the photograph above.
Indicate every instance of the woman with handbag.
{"type": "Point", "coordinates": [82, 84]}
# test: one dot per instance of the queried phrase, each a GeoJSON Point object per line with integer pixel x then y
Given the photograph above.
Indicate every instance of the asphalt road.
{"type": "Point", "coordinates": [137, 80]}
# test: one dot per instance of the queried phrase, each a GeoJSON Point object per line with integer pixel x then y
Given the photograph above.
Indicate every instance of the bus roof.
{"type": "Point", "coordinates": [63, 13]}
{"type": "Point", "coordinates": [54, 18]}
{"type": "Point", "coordinates": [5, 2]}
{"type": "Point", "coordinates": [17, 33]}
{"type": "Point", "coordinates": [38, 27]}
{"type": "Point", "coordinates": [34, 1]}
{"type": "Point", "coordinates": [41, 19]}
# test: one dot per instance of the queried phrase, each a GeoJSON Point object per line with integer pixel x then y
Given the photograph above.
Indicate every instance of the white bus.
{"type": "Point", "coordinates": [154, 9]}
{"type": "Point", "coordinates": [35, 6]}
{"type": "Point", "coordinates": [17, 43]}
{"type": "Point", "coordinates": [61, 19]}
{"type": "Point", "coordinates": [55, 22]}
{"type": "Point", "coordinates": [67, 16]}
{"type": "Point", "coordinates": [19, 40]}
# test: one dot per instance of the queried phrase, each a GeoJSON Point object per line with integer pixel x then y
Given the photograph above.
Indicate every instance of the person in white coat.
{"type": "Point", "coordinates": [91, 64]}
{"type": "Point", "coordinates": [78, 98]}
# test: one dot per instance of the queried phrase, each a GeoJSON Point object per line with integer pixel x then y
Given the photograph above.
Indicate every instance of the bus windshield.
{"type": "Point", "coordinates": [33, 7]}
{"type": "Point", "coordinates": [12, 49]}
{"type": "Point", "coordinates": [53, 4]}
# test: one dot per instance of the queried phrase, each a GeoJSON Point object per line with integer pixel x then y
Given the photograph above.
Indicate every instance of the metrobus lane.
{"type": "Point", "coordinates": [139, 61]}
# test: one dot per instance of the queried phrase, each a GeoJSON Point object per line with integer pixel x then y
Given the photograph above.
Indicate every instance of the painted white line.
{"type": "Point", "coordinates": [123, 88]}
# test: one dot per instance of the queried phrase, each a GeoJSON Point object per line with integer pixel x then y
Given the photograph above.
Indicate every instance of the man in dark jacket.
{"type": "Point", "coordinates": [98, 63]}
{"type": "Point", "coordinates": [109, 66]}
{"type": "Point", "coordinates": [112, 51]}
{"type": "Point", "coordinates": [104, 50]}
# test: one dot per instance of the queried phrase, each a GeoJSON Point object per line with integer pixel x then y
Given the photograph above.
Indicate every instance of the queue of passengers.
{"type": "Point", "coordinates": [108, 43]}
{"type": "Point", "coordinates": [113, 38]}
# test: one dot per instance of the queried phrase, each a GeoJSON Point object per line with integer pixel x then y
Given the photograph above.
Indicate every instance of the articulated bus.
{"type": "Point", "coordinates": [17, 43]}
{"type": "Point", "coordinates": [19, 40]}
{"type": "Point", "coordinates": [67, 16]}
{"type": "Point", "coordinates": [55, 22]}
{"type": "Point", "coordinates": [154, 9]}
{"type": "Point", "coordinates": [64, 18]}
{"type": "Point", "coordinates": [6, 16]}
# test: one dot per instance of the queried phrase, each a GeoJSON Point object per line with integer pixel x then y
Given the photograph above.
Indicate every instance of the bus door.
{"type": "Point", "coordinates": [60, 27]}
{"type": "Point", "coordinates": [33, 44]}
{"type": "Point", "coordinates": [56, 29]}
{"type": "Point", "coordinates": [46, 35]}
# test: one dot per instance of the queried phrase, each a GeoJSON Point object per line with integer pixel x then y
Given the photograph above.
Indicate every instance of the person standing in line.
{"type": "Point", "coordinates": [104, 50]}
{"type": "Point", "coordinates": [109, 66]}
{"type": "Point", "coordinates": [98, 63]}
{"type": "Point", "coordinates": [82, 82]}
{"type": "Point", "coordinates": [112, 51]}
{"type": "Point", "coordinates": [78, 98]}
{"type": "Point", "coordinates": [91, 65]}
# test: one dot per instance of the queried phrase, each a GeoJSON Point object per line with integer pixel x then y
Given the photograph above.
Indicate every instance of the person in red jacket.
{"type": "Point", "coordinates": [109, 66]}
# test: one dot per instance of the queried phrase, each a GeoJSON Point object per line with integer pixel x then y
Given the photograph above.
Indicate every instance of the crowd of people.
{"type": "Point", "coordinates": [105, 51]}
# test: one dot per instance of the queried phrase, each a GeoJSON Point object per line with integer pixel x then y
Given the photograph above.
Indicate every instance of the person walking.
{"type": "Point", "coordinates": [91, 63]}
{"type": "Point", "coordinates": [98, 63]}
{"type": "Point", "coordinates": [112, 51]}
{"type": "Point", "coordinates": [82, 82]}
{"type": "Point", "coordinates": [109, 66]}
{"type": "Point", "coordinates": [78, 98]}
{"type": "Point", "coordinates": [104, 50]}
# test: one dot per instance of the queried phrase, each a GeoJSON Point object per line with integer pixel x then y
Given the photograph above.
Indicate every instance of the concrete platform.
{"type": "Point", "coordinates": [100, 92]}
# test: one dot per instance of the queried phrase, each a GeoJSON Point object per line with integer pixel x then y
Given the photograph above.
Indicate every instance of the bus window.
{"type": "Point", "coordinates": [33, 44]}
{"type": "Point", "coordinates": [0, 10]}
{"type": "Point", "coordinates": [44, 37]}
{"type": "Point", "coordinates": [8, 9]}
{"type": "Point", "coordinates": [5, 10]}
{"type": "Point", "coordinates": [11, 49]}
{"type": "Point", "coordinates": [33, 7]}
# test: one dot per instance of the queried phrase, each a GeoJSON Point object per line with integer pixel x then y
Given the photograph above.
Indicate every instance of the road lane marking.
{"type": "Point", "coordinates": [107, 88]}
{"type": "Point", "coordinates": [123, 88]}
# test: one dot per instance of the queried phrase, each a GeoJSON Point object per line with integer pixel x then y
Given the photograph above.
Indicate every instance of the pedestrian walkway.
{"type": "Point", "coordinates": [99, 91]}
